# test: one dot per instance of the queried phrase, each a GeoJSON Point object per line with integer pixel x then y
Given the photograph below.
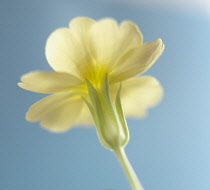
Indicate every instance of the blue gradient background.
{"type": "Point", "coordinates": [170, 149]}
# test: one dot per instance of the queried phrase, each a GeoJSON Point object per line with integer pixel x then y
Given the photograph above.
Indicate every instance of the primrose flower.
{"type": "Point", "coordinates": [85, 55]}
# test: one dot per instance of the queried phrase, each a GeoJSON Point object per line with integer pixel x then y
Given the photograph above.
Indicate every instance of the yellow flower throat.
{"type": "Point", "coordinates": [95, 74]}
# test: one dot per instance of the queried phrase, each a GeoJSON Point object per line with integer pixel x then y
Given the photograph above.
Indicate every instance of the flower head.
{"type": "Point", "coordinates": [91, 51]}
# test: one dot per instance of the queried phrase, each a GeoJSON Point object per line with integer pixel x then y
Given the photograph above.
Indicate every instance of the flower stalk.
{"type": "Point", "coordinates": [128, 170]}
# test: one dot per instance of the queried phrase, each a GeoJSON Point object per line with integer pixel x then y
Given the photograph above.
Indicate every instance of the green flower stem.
{"type": "Point", "coordinates": [131, 175]}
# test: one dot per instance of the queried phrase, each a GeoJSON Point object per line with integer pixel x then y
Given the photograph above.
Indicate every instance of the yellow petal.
{"type": "Point", "coordinates": [138, 94]}
{"type": "Point", "coordinates": [48, 82]}
{"type": "Point", "coordinates": [57, 112]}
{"type": "Point", "coordinates": [79, 27]}
{"type": "Point", "coordinates": [85, 118]}
{"type": "Point", "coordinates": [103, 35]}
{"type": "Point", "coordinates": [137, 61]}
{"type": "Point", "coordinates": [130, 36]}
{"type": "Point", "coordinates": [65, 51]}
{"type": "Point", "coordinates": [108, 41]}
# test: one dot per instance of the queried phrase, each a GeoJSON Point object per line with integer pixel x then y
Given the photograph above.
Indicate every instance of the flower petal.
{"type": "Point", "coordinates": [130, 36]}
{"type": "Point", "coordinates": [66, 49]}
{"type": "Point", "coordinates": [103, 35]}
{"type": "Point", "coordinates": [137, 61]}
{"type": "Point", "coordinates": [108, 41]}
{"type": "Point", "coordinates": [140, 93]}
{"type": "Point", "coordinates": [57, 112]}
{"type": "Point", "coordinates": [48, 82]}
{"type": "Point", "coordinates": [79, 27]}
{"type": "Point", "coordinates": [85, 118]}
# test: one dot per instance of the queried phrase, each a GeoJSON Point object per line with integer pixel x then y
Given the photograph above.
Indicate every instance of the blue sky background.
{"type": "Point", "coordinates": [170, 149]}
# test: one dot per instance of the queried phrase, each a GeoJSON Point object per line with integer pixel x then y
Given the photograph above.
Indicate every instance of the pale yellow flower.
{"type": "Point", "coordinates": [91, 50]}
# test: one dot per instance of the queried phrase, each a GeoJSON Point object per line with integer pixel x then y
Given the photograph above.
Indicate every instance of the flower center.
{"type": "Point", "coordinates": [95, 74]}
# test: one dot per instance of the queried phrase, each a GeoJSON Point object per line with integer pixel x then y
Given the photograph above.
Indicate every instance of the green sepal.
{"type": "Point", "coordinates": [109, 119]}
{"type": "Point", "coordinates": [121, 115]}
{"type": "Point", "coordinates": [107, 102]}
{"type": "Point", "coordinates": [98, 113]}
{"type": "Point", "coordinates": [94, 97]}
